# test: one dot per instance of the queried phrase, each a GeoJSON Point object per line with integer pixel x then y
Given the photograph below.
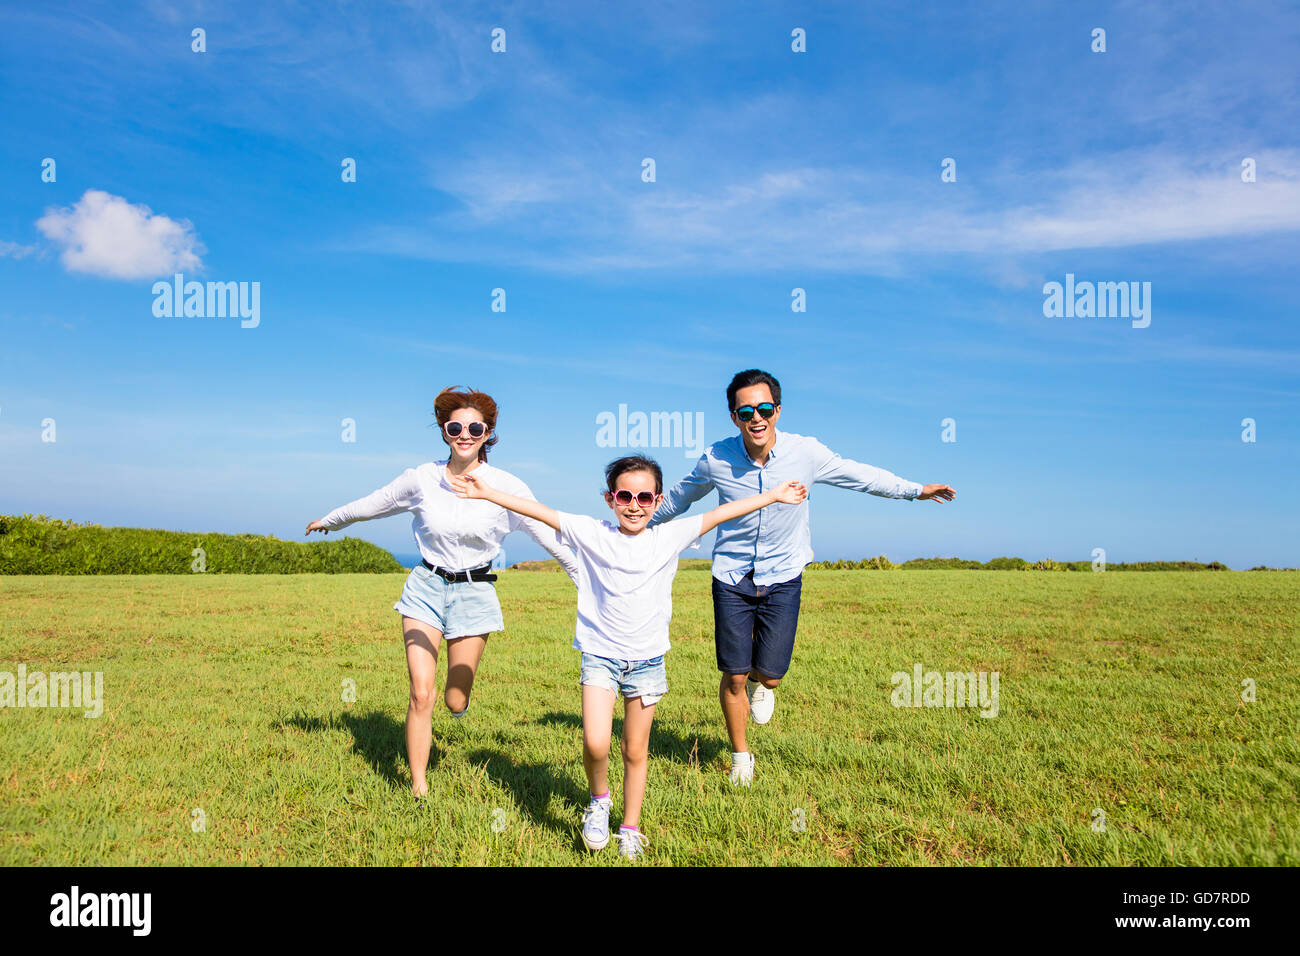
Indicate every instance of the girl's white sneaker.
{"type": "Point", "coordinates": [595, 823]}
{"type": "Point", "coordinates": [632, 844]}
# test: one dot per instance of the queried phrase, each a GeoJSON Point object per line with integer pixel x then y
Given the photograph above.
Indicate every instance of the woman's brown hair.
{"type": "Point", "coordinates": [456, 397]}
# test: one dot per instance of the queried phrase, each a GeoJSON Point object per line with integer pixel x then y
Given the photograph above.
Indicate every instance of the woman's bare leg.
{"type": "Point", "coordinates": [463, 656]}
{"type": "Point", "coordinates": [422, 642]}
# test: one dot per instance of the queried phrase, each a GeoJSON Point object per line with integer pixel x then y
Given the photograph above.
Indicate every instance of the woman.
{"type": "Point", "coordinates": [451, 593]}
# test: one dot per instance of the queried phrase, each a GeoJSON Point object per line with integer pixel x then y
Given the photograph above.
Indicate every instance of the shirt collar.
{"type": "Point", "coordinates": [772, 452]}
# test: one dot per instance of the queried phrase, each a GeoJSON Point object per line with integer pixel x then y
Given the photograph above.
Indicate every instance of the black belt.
{"type": "Point", "coordinates": [460, 577]}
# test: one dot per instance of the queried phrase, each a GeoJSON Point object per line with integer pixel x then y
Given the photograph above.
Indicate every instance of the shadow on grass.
{"type": "Point", "coordinates": [376, 736]}
{"type": "Point", "coordinates": [685, 748]}
{"type": "Point", "coordinates": [533, 785]}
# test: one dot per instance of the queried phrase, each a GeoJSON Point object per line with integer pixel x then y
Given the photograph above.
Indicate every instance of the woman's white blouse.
{"type": "Point", "coordinates": [453, 532]}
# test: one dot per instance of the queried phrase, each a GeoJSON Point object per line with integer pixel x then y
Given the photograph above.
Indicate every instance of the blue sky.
{"type": "Point", "coordinates": [774, 170]}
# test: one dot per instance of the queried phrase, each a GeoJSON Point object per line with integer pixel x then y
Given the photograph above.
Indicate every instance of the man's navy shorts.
{"type": "Point", "coordinates": [754, 626]}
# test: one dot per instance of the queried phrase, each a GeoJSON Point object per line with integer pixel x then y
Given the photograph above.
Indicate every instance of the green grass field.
{"type": "Point", "coordinates": [1118, 692]}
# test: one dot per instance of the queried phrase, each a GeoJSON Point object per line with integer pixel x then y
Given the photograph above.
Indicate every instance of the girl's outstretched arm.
{"type": "Point", "coordinates": [789, 492]}
{"type": "Point", "coordinates": [468, 486]}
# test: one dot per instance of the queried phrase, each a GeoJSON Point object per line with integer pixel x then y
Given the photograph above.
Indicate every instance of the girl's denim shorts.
{"type": "Point", "coordinates": [645, 679]}
{"type": "Point", "coordinates": [457, 610]}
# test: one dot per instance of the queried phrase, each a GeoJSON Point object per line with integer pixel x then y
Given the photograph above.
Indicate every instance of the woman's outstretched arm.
{"type": "Point", "coordinates": [401, 494]}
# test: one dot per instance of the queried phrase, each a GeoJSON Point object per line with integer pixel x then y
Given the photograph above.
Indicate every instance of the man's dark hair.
{"type": "Point", "coordinates": [620, 466]}
{"type": "Point", "coordinates": [752, 376]}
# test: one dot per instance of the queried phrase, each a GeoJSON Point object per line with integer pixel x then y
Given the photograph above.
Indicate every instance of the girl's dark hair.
{"type": "Point", "coordinates": [455, 397]}
{"type": "Point", "coordinates": [621, 466]}
{"type": "Point", "coordinates": [752, 376]}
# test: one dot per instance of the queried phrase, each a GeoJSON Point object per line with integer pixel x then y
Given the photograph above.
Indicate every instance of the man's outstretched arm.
{"type": "Point", "coordinates": [857, 476]}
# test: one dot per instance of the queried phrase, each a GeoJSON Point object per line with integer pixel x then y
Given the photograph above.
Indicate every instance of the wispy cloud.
{"type": "Point", "coordinates": [565, 217]}
{"type": "Point", "coordinates": [1099, 351]}
{"type": "Point", "coordinates": [14, 250]}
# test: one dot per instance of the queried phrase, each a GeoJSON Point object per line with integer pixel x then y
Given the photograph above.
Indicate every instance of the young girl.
{"type": "Point", "coordinates": [625, 582]}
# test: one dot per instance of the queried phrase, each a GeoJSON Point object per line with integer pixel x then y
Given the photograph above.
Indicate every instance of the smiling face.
{"type": "Point", "coordinates": [633, 518]}
{"type": "Point", "coordinates": [759, 432]}
{"type": "Point", "coordinates": [464, 448]}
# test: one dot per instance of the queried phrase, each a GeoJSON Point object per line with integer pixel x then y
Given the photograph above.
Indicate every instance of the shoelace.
{"type": "Point", "coordinates": [591, 811]}
{"type": "Point", "coordinates": [635, 836]}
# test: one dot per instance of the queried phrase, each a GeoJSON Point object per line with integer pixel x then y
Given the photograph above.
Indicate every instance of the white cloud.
{"type": "Point", "coordinates": [845, 218]}
{"type": "Point", "coordinates": [837, 223]}
{"type": "Point", "coordinates": [107, 236]}
{"type": "Point", "coordinates": [15, 250]}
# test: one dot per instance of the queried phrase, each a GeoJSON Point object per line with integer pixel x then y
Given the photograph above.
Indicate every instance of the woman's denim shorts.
{"type": "Point", "coordinates": [645, 679]}
{"type": "Point", "coordinates": [457, 610]}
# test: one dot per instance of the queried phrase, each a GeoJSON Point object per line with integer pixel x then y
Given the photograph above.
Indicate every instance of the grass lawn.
{"type": "Point", "coordinates": [1119, 692]}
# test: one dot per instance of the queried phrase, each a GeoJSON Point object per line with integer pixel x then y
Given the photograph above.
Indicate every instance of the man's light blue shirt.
{"type": "Point", "coordinates": [774, 542]}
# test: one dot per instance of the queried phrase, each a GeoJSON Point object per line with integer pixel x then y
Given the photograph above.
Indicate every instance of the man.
{"type": "Point", "coordinates": [758, 560]}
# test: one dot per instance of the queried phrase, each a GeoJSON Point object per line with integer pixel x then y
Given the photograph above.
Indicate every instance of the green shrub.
{"type": "Point", "coordinates": [1006, 564]}
{"type": "Point", "coordinates": [878, 563]}
{"type": "Point", "coordinates": [1168, 566]}
{"type": "Point", "coordinates": [939, 564]}
{"type": "Point", "coordinates": [41, 545]}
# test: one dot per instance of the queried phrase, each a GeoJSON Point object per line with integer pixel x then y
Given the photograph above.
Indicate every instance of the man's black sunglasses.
{"type": "Point", "coordinates": [746, 412]}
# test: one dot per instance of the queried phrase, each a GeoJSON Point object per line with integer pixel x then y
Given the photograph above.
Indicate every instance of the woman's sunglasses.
{"type": "Point", "coordinates": [476, 429]}
{"type": "Point", "coordinates": [746, 412]}
{"type": "Point", "coordinates": [623, 498]}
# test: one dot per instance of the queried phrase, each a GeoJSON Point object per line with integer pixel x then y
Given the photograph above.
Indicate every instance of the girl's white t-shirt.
{"type": "Point", "coordinates": [625, 584]}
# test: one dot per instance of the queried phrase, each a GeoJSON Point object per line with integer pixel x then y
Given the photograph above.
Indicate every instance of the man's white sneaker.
{"type": "Point", "coordinates": [762, 701]}
{"type": "Point", "coordinates": [595, 823]}
{"type": "Point", "coordinates": [631, 844]}
{"type": "Point", "coordinates": [742, 769]}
